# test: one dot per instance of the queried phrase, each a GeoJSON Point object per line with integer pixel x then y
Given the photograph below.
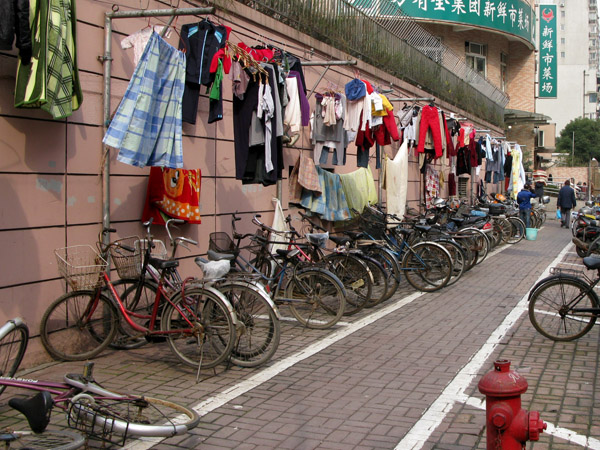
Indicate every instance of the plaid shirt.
{"type": "Point", "coordinates": [147, 125]}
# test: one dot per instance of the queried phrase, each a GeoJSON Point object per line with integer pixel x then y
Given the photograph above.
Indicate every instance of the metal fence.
{"type": "Point", "coordinates": [394, 42]}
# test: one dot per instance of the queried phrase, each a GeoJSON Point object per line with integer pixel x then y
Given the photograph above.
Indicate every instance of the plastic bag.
{"type": "Point", "coordinates": [558, 214]}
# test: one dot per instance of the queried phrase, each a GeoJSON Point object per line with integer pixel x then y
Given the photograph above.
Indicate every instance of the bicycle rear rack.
{"type": "Point", "coordinates": [579, 273]}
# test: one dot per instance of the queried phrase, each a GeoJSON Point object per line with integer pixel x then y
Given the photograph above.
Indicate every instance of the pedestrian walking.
{"type": "Point", "coordinates": [524, 200]}
{"type": "Point", "coordinates": [566, 201]}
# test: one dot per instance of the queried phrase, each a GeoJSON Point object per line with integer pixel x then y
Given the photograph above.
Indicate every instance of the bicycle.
{"type": "Point", "coordinates": [427, 266]}
{"type": "Point", "coordinates": [565, 306]}
{"type": "Point", "coordinates": [14, 335]}
{"type": "Point", "coordinates": [97, 412]}
{"type": "Point", "coordinates": [257, 327]}
{"type": "Point", "coordinates": [198, 323]}
{"type": "Point", "coordinates": [316, 297]}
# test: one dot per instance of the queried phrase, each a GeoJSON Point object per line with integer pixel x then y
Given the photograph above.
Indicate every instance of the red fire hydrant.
{"type": "Point", "coordinates": [509, 427]}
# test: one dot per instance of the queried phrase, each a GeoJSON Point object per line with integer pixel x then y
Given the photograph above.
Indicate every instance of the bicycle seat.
{"type": "Point", "coordinates": [36, 409]}
{"type": "Point", "coordinates": [457, 220]}
{"type": "Point", "coordinates": [215, 256]}
{"type": "Point", "coordinates": [287, 253]}
{"type": "Point", "coordinates": [592, 262]}
{"type": "Point", "coordinates": [354, 235]}
{"type": "Point", "coordinates": [163, 263]}
{"type": "Point", "coordinates": [424, 228]}
{"type": "Point", "coordinates": [404, 231]}
{"type": "Point", "coordinates": [340, 240]}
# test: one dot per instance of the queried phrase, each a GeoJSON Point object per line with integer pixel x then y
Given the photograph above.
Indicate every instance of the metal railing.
{"type": "Point", "coordinates": [395, 43]}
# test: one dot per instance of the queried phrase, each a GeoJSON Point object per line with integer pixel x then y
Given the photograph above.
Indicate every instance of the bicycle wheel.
{"type": "Point", "coordinates": [210, 338]}
{"type": "Point", "coordinates": [125, 416]}
{"type": "Point", "coordinates": [79, 325]}
{"type": "Point", "coordinates": [481, 244]}
{"type": "Point", "coordinates": [139, 302]}
{"type": "Point", "coordinates": [517, 230]}
{"type": "Point", "coordinates": [316, 298]}
{"type": "Point", "coordinates": [356, 278]}
{"type": "Point", "coordinates": [48, 440]}
{"type": "Point", "coordinates": [458, 259]}
{"type": "Point", "coordinates": [557, 308]}
{"type": "Point", "coordinates": [380, 280]}
{"type": "Point", "coordinates": [427, 266]}
{"type": "Point", "coordinates": [391, 265]}
{"type": "Point", "coordinates": [594, 247]}
{"type": "Point", "coordinates": [258, 330]}
{"type": "Point", "coordinates": [13, 343]}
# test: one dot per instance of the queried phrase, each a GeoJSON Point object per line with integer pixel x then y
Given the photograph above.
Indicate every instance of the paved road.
{"type": "Point", "coordinates": [401, 376]}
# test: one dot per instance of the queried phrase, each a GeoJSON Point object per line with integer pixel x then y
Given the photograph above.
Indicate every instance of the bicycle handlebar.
{"type": "Point", "coordinates": [312, 224]}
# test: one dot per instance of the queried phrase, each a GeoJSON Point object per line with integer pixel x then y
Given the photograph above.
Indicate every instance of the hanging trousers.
{"type": "Point", "coordinates": [430, 119]}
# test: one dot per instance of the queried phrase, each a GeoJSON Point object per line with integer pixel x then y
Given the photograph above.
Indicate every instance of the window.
{"type": "Point", "coordinates": [562, 40]}
{"type": "Point", "coordinates": [503, 70]}
{"type": "Point", "coordinates": [562, 54]}
{"type": "Point", "coordinates": [540, 138]}
{"type": "Point", "coordinates": [593, 98]}
{"type": "Point", "coordinates": [476, 57]}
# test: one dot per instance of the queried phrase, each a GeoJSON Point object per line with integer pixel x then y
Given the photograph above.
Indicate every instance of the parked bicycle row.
{"type": "Point", "coordinates": [232, 313]}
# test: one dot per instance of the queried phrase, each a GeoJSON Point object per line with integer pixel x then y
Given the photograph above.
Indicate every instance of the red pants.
{"type": "Point", "coordinates": [430, 119]}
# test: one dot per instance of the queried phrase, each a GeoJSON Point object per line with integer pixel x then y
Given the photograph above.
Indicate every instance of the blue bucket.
{"type": "Point", "coordinates": [531, 234]}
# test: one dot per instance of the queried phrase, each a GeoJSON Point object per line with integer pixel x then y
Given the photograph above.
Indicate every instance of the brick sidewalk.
{"type": "Point", "coordinates": [369, 387]}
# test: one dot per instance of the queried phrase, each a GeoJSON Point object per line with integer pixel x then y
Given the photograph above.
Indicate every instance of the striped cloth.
{"type": "Point", "coordinates": [146, 127]}
{"type": "Point", "coordinates": [51, 80]}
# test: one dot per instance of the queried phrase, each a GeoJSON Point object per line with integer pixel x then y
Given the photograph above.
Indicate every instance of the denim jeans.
{"type": "Point", "coordinates": [525, 214]}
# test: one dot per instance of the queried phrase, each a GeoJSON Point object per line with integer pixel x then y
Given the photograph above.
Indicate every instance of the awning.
{"type": "Point", "coordinates": [519, 117]}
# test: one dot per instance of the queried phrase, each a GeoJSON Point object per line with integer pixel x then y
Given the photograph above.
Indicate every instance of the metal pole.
{"type": "Point", "coordinates": [572, 148]}
{"type": "Point", "coordinates": [584, 93]}
{"type": "Point", "coordinates": [351, 62]}
{"type": "Point", "coordinates": [159, 12]}
{"type": "Point", "coordinates": [589, 178]}
{"type": "Point", "coordinates": [107, 63]}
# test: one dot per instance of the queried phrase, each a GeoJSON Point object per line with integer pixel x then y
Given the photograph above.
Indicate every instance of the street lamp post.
{"type": "Point", "coordinates": [590, 177]}
{"type": "Point", "coordinates": [584, 93]}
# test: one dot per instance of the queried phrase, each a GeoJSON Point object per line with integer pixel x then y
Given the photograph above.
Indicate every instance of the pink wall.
{"type": "Point", "coordinates": [49, 170]}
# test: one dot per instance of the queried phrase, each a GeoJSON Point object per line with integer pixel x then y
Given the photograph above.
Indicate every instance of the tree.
{"type": "Point", "coordinates": [587, 141]}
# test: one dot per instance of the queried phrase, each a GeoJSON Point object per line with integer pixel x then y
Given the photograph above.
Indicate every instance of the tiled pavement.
{"type": "Point", "coordinates": [386, 377]}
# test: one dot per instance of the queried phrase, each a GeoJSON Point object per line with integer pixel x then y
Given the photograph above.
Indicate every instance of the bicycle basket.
{"type": "Point", "coordinates": [318, 239]}
{"type": "Point", "coordinates": [96, 421]}
{"type": "Point", "coordinates": [81, 266]}
{"type": "Point", "coordinates": [126, 258]}
{"type": "Point", "coordinates": [159, 249]}
{"type": "Point", "coordinates": [220, 242]}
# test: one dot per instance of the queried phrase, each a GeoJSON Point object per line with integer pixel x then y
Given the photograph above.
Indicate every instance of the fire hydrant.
{"type": "Point", "coordinates": [509, 427]}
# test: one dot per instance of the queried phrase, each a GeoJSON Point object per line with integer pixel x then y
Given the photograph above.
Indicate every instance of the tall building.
{"type": "Point", "coordinates": [576, 77]}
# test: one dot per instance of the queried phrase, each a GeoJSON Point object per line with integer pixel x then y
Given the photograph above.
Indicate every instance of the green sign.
{"type": "Point", "coordinates": [547, 51]}
{"type": "Point", "coordinates": [509, 16]}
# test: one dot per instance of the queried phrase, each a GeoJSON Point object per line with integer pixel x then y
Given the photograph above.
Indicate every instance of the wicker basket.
{"type": "Point", "coordinates": [126, 258]}
{"type": "Point", "coordinates": [81, 266]}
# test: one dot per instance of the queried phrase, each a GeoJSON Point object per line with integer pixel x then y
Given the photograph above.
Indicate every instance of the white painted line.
{"type": "Point", "coordinates": [418, 435]}
{"type": "Point", "coordinates": [559, 432]}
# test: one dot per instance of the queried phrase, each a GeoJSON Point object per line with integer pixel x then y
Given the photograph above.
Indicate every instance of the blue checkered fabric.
{"type": "Point", "coordinates": [147, 125]}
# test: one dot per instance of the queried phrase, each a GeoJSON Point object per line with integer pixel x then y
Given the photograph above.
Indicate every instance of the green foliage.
{"type": "Point", "coordinates": [587, 141]}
